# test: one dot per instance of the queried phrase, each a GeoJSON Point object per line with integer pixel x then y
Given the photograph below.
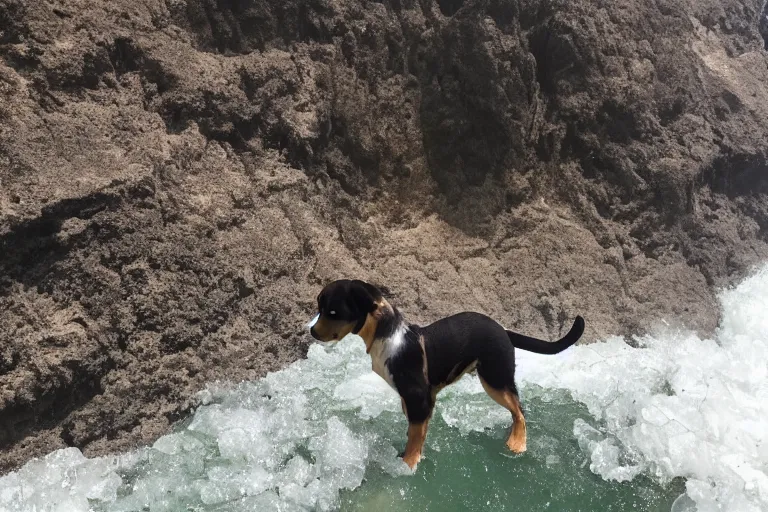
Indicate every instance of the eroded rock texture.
{"type": "Point", "coordinates": [178, 178]}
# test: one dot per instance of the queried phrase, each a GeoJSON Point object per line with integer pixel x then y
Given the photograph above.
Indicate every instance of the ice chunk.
{"type": "Point", "coordinates": [369, 393]}
{"type": "Point", "coordinates": [174, 444]}
{"type": "Point", "coordinates": [225, 484]}
{"type": "Point", "coordinates": [341, 453]}
{"type": "Point", "coordinates": [683, 503]}
{"type": "Point", "coordinates": [62, 481]}
{"type": "Point", "coordinates": [604, 453]}
{"type": "Point", "coordinates": [297, 471]}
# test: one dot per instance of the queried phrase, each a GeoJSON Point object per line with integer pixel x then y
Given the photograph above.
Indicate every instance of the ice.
{"type": "Point", "coordinates": [679, 406]}
{"type": "Point", "coordinates": [340, 453]}
{"type": "Point", "coordinates": [604, 453]}
{"type": "Point", "coordinates": [368, 392]}
{"type": "Point", "coordinates": [669, 405]}
{"type": "Point", "coordinates": [63, 481]}
{"type": "Point", "coordinates": [174, 444]}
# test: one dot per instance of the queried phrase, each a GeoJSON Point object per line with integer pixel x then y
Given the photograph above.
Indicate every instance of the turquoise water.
{"type": "Point", "coordinates": [475, 472]}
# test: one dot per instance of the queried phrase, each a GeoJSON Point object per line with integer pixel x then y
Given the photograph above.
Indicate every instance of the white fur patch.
{"type": "Point", "coordinates": [383, 349]}
{"type": "Point", "coordinates": [313, 321]}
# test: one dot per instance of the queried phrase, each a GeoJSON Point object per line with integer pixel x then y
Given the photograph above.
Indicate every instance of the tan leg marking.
{"type": "Point", "coordinates": [417, 434]}
{"type": "Point", "coordinates": [517, 438]}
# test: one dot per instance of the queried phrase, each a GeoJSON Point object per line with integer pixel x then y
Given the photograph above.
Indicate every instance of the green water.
{"type": "Point", "coordinates": [475, 472]}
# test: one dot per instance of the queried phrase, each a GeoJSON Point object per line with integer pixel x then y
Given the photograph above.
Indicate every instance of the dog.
{"type": "Point", "coordinates": [418, 362]}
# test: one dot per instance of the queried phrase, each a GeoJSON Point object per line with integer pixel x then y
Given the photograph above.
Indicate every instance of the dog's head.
{"type": "Point", "coordinates": [343, 307]}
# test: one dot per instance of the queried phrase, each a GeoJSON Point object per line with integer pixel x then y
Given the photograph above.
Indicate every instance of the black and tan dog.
{"type": "Point", "coordinates": [420, 361]}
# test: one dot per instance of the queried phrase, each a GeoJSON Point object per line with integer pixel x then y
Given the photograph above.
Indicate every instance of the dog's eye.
{"type": "Point", "coordinates": [332, 313]}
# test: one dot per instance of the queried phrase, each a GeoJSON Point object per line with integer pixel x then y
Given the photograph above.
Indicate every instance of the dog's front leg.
{"type": "Point", "coordinates": [417, 434]}
{"type": "Point", "coordinates": [418, 409]}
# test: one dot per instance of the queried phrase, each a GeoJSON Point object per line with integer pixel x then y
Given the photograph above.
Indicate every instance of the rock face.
{"type": "Point", "coordinates": [178, 178]}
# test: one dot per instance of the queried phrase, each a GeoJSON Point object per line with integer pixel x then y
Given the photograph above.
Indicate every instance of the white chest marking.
{"type": "Point", "coordinates": [382, 350]}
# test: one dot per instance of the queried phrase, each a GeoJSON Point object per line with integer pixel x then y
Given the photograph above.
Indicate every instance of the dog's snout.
{"type": "Point", "coordinates": [312, 332]}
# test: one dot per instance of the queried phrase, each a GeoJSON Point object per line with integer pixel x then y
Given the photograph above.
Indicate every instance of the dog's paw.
{"type": "Point", "coordinates": [517, 445]}
{"type": "Point", "coordinates": [412, 460]}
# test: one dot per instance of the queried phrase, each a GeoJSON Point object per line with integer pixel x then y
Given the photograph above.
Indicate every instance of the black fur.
{"type": "Point", "coordinates": [407, 369]}
{"type": "Point", "coordinates": [350, 300]}
{"type": "Point", "coordinates": [542, 347]}
{"type": "Point", "coordinates": [451, 346]}
{"type": "Point", "coordinates": [454, 343]}
{"type": "Point", "coordinates": [388, 324]}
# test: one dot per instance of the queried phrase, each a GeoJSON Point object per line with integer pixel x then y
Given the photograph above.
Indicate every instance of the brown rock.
{"type": "Point", "coordinates": [177, 179]}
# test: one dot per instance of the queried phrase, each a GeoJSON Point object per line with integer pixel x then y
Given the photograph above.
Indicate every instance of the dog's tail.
{"type": "Point", "coordinates": [544, 347]}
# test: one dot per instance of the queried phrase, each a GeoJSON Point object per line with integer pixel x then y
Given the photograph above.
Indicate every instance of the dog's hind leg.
{"type": "Point", "coordinates": [509, 399]}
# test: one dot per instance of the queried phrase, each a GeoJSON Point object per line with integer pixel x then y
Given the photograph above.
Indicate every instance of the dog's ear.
{"type": "Point", "coordinates": [365, 296]}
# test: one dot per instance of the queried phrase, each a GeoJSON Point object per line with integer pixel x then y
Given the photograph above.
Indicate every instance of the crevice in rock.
{"type": "Point", "coordinates": [126, 56]}
{"type": "Point", "coordinates": [31, 248]}
{"type": "Point", "coordinates": [74, 385]}
{"type": "Point", "coordinates": [227, 27]}
{"type": "Point", "coordinates": [12, 30]}
{"type": "Point", "coordinates": [450, 7]}
{"type": "Point", "coordinates": [738, 174]}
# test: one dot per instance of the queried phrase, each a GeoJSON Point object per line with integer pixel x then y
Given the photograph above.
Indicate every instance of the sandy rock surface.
{"type": "Point", "coordinates": [178, 179]}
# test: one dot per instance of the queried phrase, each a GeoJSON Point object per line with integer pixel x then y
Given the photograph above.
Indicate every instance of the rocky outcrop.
{"type": "Point", "coordinates": [178, 178]}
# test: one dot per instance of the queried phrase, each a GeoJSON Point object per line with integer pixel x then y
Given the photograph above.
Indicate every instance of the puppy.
{"type": "Point", "coordinates": [418, 362]}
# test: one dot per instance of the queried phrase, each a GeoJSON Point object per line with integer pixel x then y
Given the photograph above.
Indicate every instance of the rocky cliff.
{"type": "Point", "coordinates": [179, 177]}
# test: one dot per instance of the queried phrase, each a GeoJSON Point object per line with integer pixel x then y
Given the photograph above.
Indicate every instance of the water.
{"type": "Point", "coordinates": [675, 424]}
